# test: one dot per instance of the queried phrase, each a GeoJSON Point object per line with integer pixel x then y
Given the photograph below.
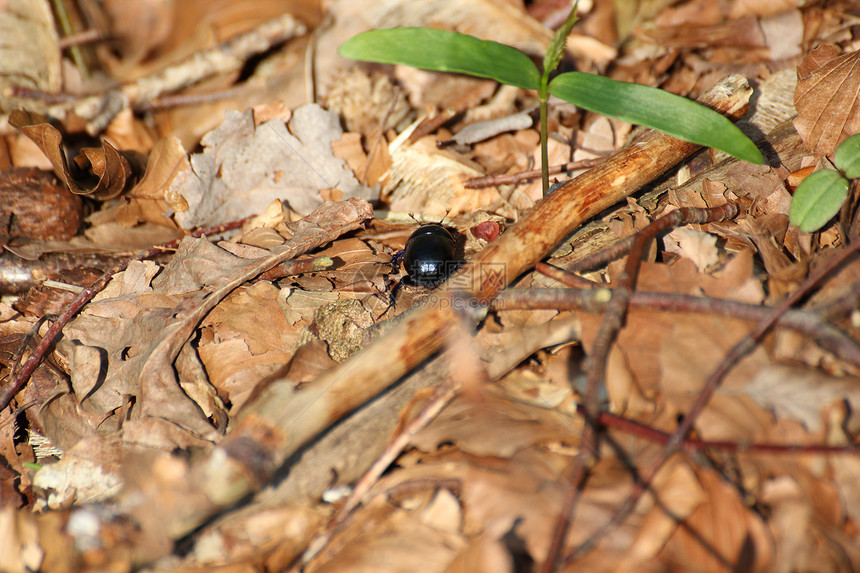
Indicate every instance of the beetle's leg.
{"type": "Point", "coordinates": [396, 258]}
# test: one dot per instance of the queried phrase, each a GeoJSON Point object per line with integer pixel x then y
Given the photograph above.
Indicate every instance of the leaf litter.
{"type": "Point", "coordinates": [152, 374]}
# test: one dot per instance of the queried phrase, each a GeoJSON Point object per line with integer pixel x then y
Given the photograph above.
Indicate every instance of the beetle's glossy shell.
{"type": "Point", "coordinates": [429, 255]}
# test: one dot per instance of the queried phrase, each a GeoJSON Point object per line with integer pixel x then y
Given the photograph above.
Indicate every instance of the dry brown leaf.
{"type": "Point", "coordinates": [485, 554]}
{"type": "Point", "coordinates": [358, 268]}
{"type": "Point", "coordinates": [743, 33]}
{"type": "Point", "coordinates": [425, 180]}
{"type": "Point", "coordinates": [697, 246]}
{"type": "Point", "coordinates": [802, 540]}
{"type": "Point", "coordinates": [740, 8]}
{"type": "Point", "coordinates": [647, 332]}
{"type": "Point", "coordinates": [368, 101]}
{"type": "Point", "coordinates": [521, 493]}
{"type": "Point", "coordinates": [20, 550]}
{"type": "Point", "coordinates": [237, 349]}
{"type": "Point", "coordinates": [29, 55]}
{"type": "Point", "coordinates": [474, 423]}
{"type": "Point", "coordinates": [111, 168]}
{"type": "Point", "coordinates": [121, 349]}
{"type": "Point", "coordinates": [678, 494]}
{"type": "Point", "coordinates": [797, 393]}
{"type": "Point", "coordinates": [113, 237]}
{"type": "Point", "coordinates": [827, 98]}
{"type": "Point", "coordinates": [689, 352]}
{"type": "Point", "coordinates": [150, 200]}
{"type": "Point", "coordinates": [274, 534]}
{"type": "Point", "coordinates": [244, 168]}
{"type": "Point", "coordinates": [722, 534]}
{"type": "Point", "coordinates": [142, 28]}
{"type": "Point", "coordinates": [389, 540]}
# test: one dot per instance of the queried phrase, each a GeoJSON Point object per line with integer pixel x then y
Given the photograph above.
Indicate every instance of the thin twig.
{"type": "Point", "coordinates": [190, 98]}
{"type": "Point", "coordinates": [288, 268]}
{"type": "Point", "coordinates": [675, 441]}
{"type": "Point", "coordinates": [641, 430]}
{"type": "Point", "coordinates": [489, 180]}
{"type": "Point", "coordinates": [227, 56]}
{"type": "Point", "coordinates": [85, 37]}
{"type": "Point", "coordinates": [595, 363]}
{"type": "Point", "coordinates": [806, 322]}
{"type": "Point", "coordinates": [442, 396]}
{"type": "Point", "coordinates": [431, 124]}
{"type": "Point", "coordinates": [567, 277]}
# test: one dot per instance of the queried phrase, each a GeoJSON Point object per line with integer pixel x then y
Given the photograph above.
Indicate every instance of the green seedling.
{"type": "Point", "coordinates": [446, 51]}
{"type": "Point", "coordinates": [820, 196]}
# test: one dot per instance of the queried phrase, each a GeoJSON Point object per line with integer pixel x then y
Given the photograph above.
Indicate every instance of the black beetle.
{"type": "Point", "coordinates": [428, 258]}
{"type": "Point", "coordinates": [429, 255]}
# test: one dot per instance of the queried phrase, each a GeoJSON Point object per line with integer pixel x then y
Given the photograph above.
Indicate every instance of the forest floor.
{"type": "Point", "coordinates": [202, 368]}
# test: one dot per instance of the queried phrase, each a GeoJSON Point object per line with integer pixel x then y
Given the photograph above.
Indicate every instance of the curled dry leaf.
{"type": "Point", "coordinates": [107, 164]}
{"type": "Point", "coordinates": [827, 98]}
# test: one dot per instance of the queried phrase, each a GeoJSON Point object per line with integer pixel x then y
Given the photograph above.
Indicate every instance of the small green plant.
{"type": "Point", "coordinates": [446, 51]}
{"type": "Point", "coordinates": [820, 196]}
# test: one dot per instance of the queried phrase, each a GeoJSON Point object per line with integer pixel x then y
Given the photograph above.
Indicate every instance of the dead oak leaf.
{"type": "Point", "coordinates": [244, 167]}
{"type": "Point", "coordinates": [827, 98]}
{"type": "Point", "coordinates": [472, 422]}
{"type": "Point", "coordinates": [799, 393]}
{"type": "Point", "coordinates": [122, 350]}
{"type": "Point", "coordinates": [238, 349]}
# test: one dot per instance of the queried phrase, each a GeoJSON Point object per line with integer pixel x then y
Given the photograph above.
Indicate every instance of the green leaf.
{"type": "Point", "coordinates": [444, 51]}
{"type": "Point", "coordinates": [658, 109]}
{"type": "Point", "coordinates": [556, 47]}
{"type": "Point", "coordinates": [817, 199]}
{"type": "Point", "coordinates": [847, 157]}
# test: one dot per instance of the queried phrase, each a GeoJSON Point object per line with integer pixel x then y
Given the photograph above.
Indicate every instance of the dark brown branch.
{"type": "Point", "coordinates": [595, 363]}
{"type": "Point", "coordinates": [806, 322]}
{"type": "Point", "coordinates": [675, 441]}
{"type": "Point", "coordinates": [693, 444]}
